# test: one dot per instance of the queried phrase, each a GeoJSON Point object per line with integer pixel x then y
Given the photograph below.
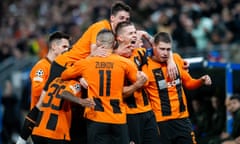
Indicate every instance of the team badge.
{"type": "Point", "coordinates": [75, 88]}
{"type": "Point", "coordinates": [38, 75]}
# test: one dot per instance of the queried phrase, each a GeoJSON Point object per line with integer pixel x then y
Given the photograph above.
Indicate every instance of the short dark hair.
{"type": "Point", "coordinates": [235, 96]}
{"type": "Point", "coordinates": [122, 25]}
{"type": "Point", "coordinates": [58, 35]}
{"type": "Point", "coordinates": [162, 37]}
{"type": "Point", "coordinates": [106, 37]}
{"type": "Point", "coordinates": [119, 6]}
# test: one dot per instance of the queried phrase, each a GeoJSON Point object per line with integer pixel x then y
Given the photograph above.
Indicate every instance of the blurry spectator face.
{"type": "Point", "coordinates": [162, 51]}
{"type": "Point", "coordinates": [119, 17]}
{"type": "Point", "coordinates": [235, 104]}
{"type": "Point", "coordinates": [195, 105]}
{"type": "Point", "coordinates": [228, 105]}
{"type": "Point", "coordinates": [214, 101]}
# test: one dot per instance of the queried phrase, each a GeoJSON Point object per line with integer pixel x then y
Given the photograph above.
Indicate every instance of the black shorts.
{"type": "Point", "coordinates": [143, 128]}
{"type": "Point", "coordinates": [178, 131]}
{"type": "Point", "coordinates": [105, 133]}
{"type": "Point", "coordinates": [78, 130]}
{"type": "Point", "coordinates": [44, 140]}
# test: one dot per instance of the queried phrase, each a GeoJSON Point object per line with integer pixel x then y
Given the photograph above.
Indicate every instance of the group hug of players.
{"type": "Point", "coordinates": [106, 89]}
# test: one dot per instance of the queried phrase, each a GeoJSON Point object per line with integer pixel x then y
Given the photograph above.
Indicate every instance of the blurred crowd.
{"type": "Point", "coordinates": [210, 28]}
{"type": "Point", "coordinates": [207, 28]}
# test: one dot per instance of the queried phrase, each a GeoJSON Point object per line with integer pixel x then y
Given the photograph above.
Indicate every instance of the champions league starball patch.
{"type": "Point", "coordinates": [77, 87]}
{"type": "Point", "coordinates": [38, 75]}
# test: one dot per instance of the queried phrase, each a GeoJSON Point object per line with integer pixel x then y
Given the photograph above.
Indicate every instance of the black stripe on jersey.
{"type": "Point", "coordinates": [162, 91]}
{"type": "Point", "coordinates": [55, 71]}
{"type": "Point", "coordinates": [108, 83]}
{"type": "Point", "coordinates": [52, 122]}
{"type": "Point", "coordinates": [182, 107]}
{"type": "Point", "coordinates": [40, 114]}
{"type": "Point", "coordinates": [145, 97]}
{"type": "Point", "coordinates": [115, 105]}
{"type": "Point", "coordinates": [98, 106]}
{"type": "Point", "coordinates": [130, 101]}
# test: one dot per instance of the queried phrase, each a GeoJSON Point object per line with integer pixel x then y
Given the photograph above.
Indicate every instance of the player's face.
{"type": "Point", "coordinates": [128, 38]}
{"type": "Point", "coordinates": [121, 16]}
{"type": "Point", "coordinates": [62, 46]}
{"type": "Point", "coordinates": [129, 35]}
{"type": "Point", "coordinates": [162, 51]}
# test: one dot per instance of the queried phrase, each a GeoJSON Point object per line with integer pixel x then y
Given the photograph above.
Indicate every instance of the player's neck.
{"type": "Point", "coordinates": [51, 56]}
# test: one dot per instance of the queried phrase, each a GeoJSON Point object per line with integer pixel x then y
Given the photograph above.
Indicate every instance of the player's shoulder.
{"type": "Point", "coordinates": [177, 56]}
{"type": "Point", "coordinates": [102, 24]}
{"type": "Point", "coordinates": [43, 63]}
{"type": "Point", "coordinates": [104, 21]}
{"type": "Point", "coordinates": [122, 59]}
{"type": "Point", "coordinates": [139, 51]}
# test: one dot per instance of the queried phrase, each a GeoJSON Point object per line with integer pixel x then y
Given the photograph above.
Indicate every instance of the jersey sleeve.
{"type": "Point", "coordinates": [74, 71]}
{"type": "Point", "coordinates": [188, 82]}
{"type": "Point", "coordinates": [38, 76]}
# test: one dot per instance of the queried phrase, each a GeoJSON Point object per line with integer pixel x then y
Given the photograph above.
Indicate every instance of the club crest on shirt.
{"type": "Point", "coordinates": [39, 75]}
{"type": "Point", "coordinates": [75, 88]}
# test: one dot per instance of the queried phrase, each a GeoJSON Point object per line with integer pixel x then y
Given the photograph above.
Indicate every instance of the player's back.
{"type": "Point", "coordinates": [105, 77]}
{"type": "Point", "coordinates": [105, 86]}
{"type": "Point", "coordinates": [56, 112]}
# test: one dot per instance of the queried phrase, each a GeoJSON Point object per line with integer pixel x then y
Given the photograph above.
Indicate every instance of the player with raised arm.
{"type": "Point", "coordinates": [142, 126]}
{"type": "Point", "coordinates": [106, 123]}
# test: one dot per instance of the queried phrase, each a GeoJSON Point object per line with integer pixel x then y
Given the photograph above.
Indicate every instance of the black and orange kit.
{"type": "Point", "coordinates": [80, 50]}
{"type": "Point", "coordinates": [39, 75]}
{"type": "Point", "coordinates": [169, 101]}
{"type": "Point", "coordinates": [55, 118]}
{"type": "Point", "coordinates": [142, 126]}
{"type": "Point", "coordinates": [105, 77]}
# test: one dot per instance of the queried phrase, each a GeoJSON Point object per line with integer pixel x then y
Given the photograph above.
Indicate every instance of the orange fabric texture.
{"type": "Point", "coordinates": [39, 75]}
{"type": "Point", "coordinates": [139, 102]}
{"type": "Point", "coordinates": [167, 97]}
{"type": "Point", "coordinates": [105, 77]}
{"type": "Point", "coordinates": [82, 48]}
{"type": "Point", "coordinates": [56, 117]}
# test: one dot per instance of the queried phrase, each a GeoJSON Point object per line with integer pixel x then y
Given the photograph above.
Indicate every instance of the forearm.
{"type": "Point", "coordinates": [129, 90]}
{"type": "Point", "coordinates": [170, 59]}
{"type": "Point", "coordinates": [68, 74]}
{"type": "Point", "coordinates": [39, 103]}
{"type": "Point", "coordinates": [68, 96]}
